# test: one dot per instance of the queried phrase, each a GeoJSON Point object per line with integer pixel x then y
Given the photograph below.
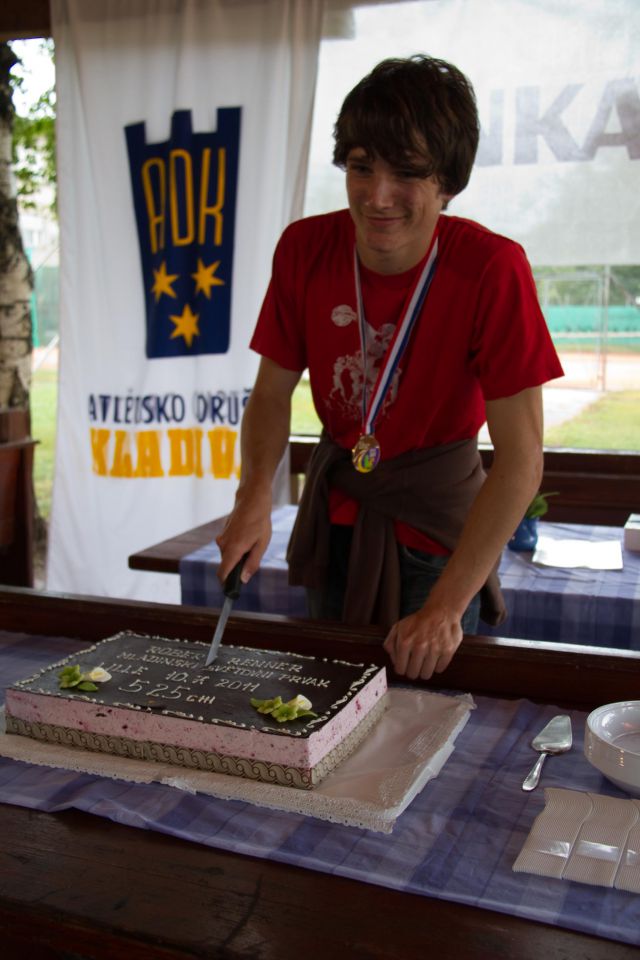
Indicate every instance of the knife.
{"type": "Point", "coordinates": [554, 738]}
{"type": "Point", "coordinates": [231, 592]}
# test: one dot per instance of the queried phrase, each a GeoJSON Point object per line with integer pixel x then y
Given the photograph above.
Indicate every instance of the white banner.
{"type": "Point", "coordinates": [183, 132]}
{"type": "Point", "coordinates": [558, 89]}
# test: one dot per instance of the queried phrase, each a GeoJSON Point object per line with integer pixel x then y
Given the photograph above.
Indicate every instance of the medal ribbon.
{"type": "Point", "coordinates": [397, 347]}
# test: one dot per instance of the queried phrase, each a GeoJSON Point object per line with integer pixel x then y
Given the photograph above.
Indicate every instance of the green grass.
{"type": "Point", "coordinates": [44, 398]}
{"type": "Point", "coordinates": [611, 423]}
{"type": "Point", "coordinates": [304, 419]}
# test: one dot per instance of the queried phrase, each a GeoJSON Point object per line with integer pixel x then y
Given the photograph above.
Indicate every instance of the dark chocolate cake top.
{"type": "Point", "coordinates": [164, 676]}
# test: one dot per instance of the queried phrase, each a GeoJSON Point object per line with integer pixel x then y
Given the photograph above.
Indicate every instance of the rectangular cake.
{"type": "Point", "coordinates": [160, 702]}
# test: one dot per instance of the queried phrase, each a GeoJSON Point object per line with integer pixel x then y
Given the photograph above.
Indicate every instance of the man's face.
{"type": "Point", "coordinates": [394, 210]}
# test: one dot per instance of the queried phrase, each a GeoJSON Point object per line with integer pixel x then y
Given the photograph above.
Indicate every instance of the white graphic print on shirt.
{"type": "Point", "coordinates": [348, 373]}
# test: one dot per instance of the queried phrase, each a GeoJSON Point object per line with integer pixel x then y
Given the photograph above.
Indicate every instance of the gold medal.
{"type": "Point", "coordinates": [365, 456]}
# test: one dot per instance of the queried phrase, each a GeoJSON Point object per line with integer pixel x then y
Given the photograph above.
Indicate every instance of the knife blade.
{"type": "Point", "coordinates": [231, 592]}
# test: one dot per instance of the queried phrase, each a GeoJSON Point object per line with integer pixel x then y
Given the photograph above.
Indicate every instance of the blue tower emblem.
{"type": "Point", "coordinates": [184, 196]}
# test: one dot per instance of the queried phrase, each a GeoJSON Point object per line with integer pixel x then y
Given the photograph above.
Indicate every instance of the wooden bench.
{"type": "Point", "coordinates": [592, 487]}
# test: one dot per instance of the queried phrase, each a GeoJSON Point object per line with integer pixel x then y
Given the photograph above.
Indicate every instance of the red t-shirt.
{"type": "Point", "coordinates": [481, 335]}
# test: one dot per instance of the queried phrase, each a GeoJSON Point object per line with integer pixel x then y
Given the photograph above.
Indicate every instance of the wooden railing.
{"type": "Point", "coordinates": [16, 499]}
{"type": "Point", "coordinates": [592, 487]}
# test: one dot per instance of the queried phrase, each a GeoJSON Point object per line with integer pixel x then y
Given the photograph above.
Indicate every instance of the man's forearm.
{"type": "Point", "coordinates": [266, 424]}
{"type": "Point", "coordinates": [515, 426]}
{"type": "Point", "coordinates": [496, 511]}
{"type": "Point", "coordinates": [263, 441]}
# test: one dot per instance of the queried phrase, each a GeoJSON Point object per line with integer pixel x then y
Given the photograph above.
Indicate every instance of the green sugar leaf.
{"type": "Point", "coordinates": [282, 712]}
{"type": "Point", "coordinates": [69, 676]}
{"type": "Point", "coordinates": [73, 677]}
{"type": "Point", "coordinates": [266, 706]}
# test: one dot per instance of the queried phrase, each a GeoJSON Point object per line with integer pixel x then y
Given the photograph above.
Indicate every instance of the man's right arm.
{"type": "Point", "coordinates": [266, 425]}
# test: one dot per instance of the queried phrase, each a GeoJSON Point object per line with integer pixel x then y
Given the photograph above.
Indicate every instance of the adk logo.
{"type": "Point", "coordinates": [184, 194]}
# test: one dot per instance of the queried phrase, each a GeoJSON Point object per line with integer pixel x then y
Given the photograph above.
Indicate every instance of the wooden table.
{"type": "Point", "coordinates": [74, 884]}
{"type": "Point", "coordinates": [593, 488]}
{"type": "Point", "coordinates": [165, 557]}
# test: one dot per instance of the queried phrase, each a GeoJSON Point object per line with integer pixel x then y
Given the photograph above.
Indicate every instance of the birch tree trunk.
{"type": "Point", "coordinates": [16, 278]}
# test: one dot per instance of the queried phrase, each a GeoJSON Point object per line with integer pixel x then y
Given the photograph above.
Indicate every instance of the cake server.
{"type": "Point", "coordinates": [231, 592]}
{"type": "Point", "coordinates": [554, 738]}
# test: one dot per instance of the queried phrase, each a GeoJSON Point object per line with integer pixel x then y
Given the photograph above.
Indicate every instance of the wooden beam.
{"type": "Point", "coordinates": [24, 19]}
{"type": "Point", "coordinates": [567, 674]}
{"type": "Point", "coordinates": [593, 487]}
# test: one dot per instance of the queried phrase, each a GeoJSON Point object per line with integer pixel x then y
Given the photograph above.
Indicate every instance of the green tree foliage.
{"type": "Point", "coordinates": [34, 141]}
{"type": "Point", "coordinates": [583, 284]}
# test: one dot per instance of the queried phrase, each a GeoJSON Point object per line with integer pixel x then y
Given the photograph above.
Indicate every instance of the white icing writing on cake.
{"type": "Point", "coordinates": [156, 689]}
{"type": "Point", "coordinates": [165, 661]}
{"type": "Point", "coordinates": [184, 677]}
{"type": "Point", "coordinates": [237, 685]}
{"type": "Point", "coordinates": [305, 681]}
{"type": "Point", "coordinates": [186, 672]}
{"type": "Point", "coordinates": [240, 672]}
{"type": "Point", "coordinates": [129, 668]}
{"type": "Point", "coordinates": [278, 665]}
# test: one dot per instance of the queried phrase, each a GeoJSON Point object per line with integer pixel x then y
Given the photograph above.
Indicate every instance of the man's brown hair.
{"type": "Point", "coordinates": [417, 113]}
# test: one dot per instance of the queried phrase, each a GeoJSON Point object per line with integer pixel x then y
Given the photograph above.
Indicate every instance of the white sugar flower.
{"type": "Point", "coordinates": [301, 702]}
{"type": "Point", "coordinates": [97, 675]}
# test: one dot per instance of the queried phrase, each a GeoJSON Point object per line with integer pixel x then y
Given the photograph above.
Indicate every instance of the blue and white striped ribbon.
{"type": "Point", "coordinates": [371, 409]}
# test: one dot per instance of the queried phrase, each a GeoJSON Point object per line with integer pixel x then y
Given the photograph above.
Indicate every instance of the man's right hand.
{"type": "Point", "coordinates": [247, 530]}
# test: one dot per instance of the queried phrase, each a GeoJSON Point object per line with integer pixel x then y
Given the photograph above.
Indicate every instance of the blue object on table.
{"type": "Point", "coordinates": [525, 536]}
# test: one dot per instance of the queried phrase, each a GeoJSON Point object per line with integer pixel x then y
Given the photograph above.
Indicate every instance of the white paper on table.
{"type": "Point", "coordinates": [584, 837]}
{"type": "Point", "coordinates": [593, 554]}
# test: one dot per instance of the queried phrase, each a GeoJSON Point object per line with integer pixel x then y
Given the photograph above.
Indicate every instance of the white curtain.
{"type": "Point", "coordinates": [558, 89]}
{"type": "Point", "coordinates": [182, 126]}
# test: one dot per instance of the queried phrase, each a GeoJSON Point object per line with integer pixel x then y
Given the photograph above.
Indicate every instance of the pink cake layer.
{"type": "Point", "coordinates": [301, 752]}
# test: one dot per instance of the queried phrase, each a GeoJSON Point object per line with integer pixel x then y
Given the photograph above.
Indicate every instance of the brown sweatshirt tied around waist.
{"type": "Point", "coordinates": [430, 490]}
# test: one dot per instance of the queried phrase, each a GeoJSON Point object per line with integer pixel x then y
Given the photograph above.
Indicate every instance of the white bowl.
{"type": "Point", "coordinates": [612, 743]}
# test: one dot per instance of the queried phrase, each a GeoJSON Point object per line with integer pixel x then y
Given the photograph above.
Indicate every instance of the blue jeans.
{"type": "Point", "coordinates": [418, 574]}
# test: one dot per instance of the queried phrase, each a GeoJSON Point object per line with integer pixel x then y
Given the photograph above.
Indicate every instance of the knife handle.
{"type": "Point", "coordinates": [532, 779]}
{"type": "Point", "coordinates": [231, 587]}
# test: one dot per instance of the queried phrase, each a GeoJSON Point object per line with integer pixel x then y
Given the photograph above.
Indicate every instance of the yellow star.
{"type": "Point", "coordinates": [186, 325]}
{"type": "Point", "coordinates": [163, 282]}
{"type": "Point", "coordinates": [204, 278]}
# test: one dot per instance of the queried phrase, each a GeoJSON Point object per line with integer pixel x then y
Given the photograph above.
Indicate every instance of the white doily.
{"type": "Point", "coordinates": [370, 789]}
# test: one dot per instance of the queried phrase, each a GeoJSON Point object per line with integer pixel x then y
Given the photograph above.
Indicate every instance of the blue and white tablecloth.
{"type": "Point", "coordinates": [268, 591]}
{"type": "Point", "coordinates": [457, 841]}
{"type": "Point", "coordinates": [594, 607]}
{"type": "Point", "coordinates": [572, 605]}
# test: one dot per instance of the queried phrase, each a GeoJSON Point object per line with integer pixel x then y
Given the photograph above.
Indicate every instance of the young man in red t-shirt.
{"type": "Point", "coordinates": [415, 327]}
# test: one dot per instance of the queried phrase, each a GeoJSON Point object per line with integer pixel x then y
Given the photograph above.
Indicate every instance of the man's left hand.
{"type": "Point", "coordinates": [424, 642]}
